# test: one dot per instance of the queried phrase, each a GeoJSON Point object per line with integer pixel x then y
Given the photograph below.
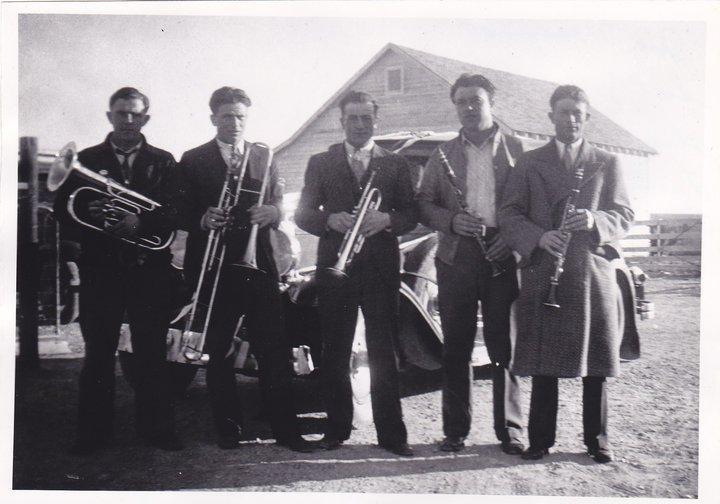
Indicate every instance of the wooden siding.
{"type": "Point", "coordinates": [424, 104]}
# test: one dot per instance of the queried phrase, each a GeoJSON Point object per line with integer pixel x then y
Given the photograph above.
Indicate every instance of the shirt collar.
{"type": "Point", "coordinates": [491, 138]}
{"type": "Point", "coordinates": [229, 148]}
{"type": "Point", "coordinates": [364, 152]}
{"type": "Point", "coordinates": [134, 148]}
{"type": "Point", "coordinates": [574, 147]}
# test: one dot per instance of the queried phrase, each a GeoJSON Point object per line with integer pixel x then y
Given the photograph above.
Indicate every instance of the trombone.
{"type": "Point", "coordinates": [122, 201]}
{"type": "Point", "coordinates": [196, 325]}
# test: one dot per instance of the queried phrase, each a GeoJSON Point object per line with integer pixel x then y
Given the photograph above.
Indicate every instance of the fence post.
{"type": "Point", "coordinates": [27, 254]}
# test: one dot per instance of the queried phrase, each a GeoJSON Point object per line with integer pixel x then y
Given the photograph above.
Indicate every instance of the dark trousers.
{"type": "Point", "coordinates": [544, 407]}
{"type": "Point", "coordinates": [378, 298]}
{"type": "Point", "coordinates": [460, 286]}
{"type": "Point", "coordinates": [257, 297]}
{"type": "Point", "coordinates": [106, 295]}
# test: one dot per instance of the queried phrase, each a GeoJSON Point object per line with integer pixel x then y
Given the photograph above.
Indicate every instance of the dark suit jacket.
{"type": "Point", "coordinates": [437, 201]}
{"type": "Point", "coordinates": [330, 187]}
{"type": "Point", "coordinates": [153, 175]}
{"type": "Point", "coordinates": [203, 173]}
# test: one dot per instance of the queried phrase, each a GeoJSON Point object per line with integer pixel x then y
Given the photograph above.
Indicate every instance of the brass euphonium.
{"type": "Point", "coordinates": [353, 241]}
{"type": "Point", "coordinates": [560, 260]}
{"type": "Point", "coordinates": [122, 201]}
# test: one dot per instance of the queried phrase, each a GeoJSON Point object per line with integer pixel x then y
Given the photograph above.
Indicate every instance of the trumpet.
{"type": "Point", "coordinates": [560, 260]}
{"type": "Point", "coordinates": [196, 325]}
{"type": "Point", "coordinates": [249, 259]}
{"type": "Point", "coordinates": [497, 269]}
{"type": "Point", "coordinates": [122, 201]}
{"type": "Point", "coordinates": [352, 240]}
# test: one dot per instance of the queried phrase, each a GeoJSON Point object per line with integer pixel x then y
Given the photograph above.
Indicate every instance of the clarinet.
{"type": "Point", "coordinates": [560, 260]}
{"type": "Point", "coordinates": [497, 269]}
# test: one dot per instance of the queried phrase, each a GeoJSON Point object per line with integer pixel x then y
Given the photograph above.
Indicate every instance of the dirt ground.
{"type": "Point", "coordinates": [653, 428]}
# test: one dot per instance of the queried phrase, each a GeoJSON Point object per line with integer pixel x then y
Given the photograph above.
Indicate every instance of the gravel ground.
{"type": "Point", "coordinates": [653, 428]}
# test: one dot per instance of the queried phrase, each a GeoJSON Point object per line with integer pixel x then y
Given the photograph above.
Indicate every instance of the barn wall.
{"type": "Point", "coordinates": [423, 105]}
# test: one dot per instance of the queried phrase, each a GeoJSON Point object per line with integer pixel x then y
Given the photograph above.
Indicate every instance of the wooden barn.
{"type": "Point", "coordinates": [412, 89]}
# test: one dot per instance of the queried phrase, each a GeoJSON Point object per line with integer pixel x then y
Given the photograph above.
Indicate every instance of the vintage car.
{"type": "Point", "coordinates": [420, 337]}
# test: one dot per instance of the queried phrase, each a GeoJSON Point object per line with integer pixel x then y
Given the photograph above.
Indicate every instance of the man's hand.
{"type": "Point", "coordinates": [263, 215]}
{"type": "Point", "coordinates": [374, 222]}
{"type": "Point", "coordinates": [214, 218]}
{"type": "Point", "coordinates": [497, 250]}
{"type": "Point", "coordinates": [553, 242]}
{"type": "Point", "coordinates": [466, 225]}
{"type": "Point", "coordinates": [96, 209]}
{"type": "Point", "coordinates": [340, 222]}
{"type": "Point", "coordinates": [126, 227]}
{"type": "Point", "coordinates": [580, 220]}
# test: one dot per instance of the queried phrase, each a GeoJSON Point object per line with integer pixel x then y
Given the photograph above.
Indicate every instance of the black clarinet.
{"type": "Point", "coordinates": [497, 269]}
{"type": "Point", "coordinates": [560, 260]}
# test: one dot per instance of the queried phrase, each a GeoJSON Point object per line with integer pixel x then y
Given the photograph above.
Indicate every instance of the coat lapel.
{"type": "Point", "coordinates": [342, 171]}
{"type": "Point", "coordinates": [557, 181]}
{"type": "Point", "coordinates": [588, 160]}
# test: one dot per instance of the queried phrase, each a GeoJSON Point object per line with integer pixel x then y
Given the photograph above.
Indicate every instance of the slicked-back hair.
{"type": "Point", "coordinates": [473, 80]}
{"type": "Point", "coordinates": [129, 93]}
{"type": "Point", "coordinates": [357, 97]}
{"type": "Point", "coordinates": [228, 95]}
{"type": "Point", "coordinates": [568, 91]}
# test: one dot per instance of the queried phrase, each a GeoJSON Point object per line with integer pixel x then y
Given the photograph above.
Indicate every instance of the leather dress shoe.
{"type": "Point", "coordinates": [452, 444]}
{"type": "Point", "coordinates": [401, 449]}
{"type": "Point", "coordinates": [512, 447]}
{"type": "Point", "coordinates": [298, 444]}
{"type": "Point", "coordinates": [600, 455]}
{"type": "Point", "coordinates": [330, 443]}
{"type": "Point", "coordinates": [534, 453]}
{"type": "Point", "coordinates": [228, 441]}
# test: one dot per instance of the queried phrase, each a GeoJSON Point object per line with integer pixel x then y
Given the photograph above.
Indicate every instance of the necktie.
{"type": "Point", "coordinates": [567, 158]}
{"type": "Point", "coordinates": [235, 159]}
{"type": "Point", "coordinates": [125, 166]}
{"type": "Point", "coordinates": [357, 165]}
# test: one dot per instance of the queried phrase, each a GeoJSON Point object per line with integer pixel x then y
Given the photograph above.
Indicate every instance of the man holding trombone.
{"type": "Point", "coordinates": [241, 176]}
{"type": "Point", "coordinates": [564, 211]}
{"type": "Point", "coordinates": [124, 270]}
{"type": "Point", "coordinates": [459, 192]}
{"type": "Point", "coordinates": [361, 270]}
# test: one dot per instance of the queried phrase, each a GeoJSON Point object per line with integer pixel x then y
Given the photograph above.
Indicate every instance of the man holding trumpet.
{"type": "Point", "coordinates": [334, 184]}
{"type": "Point", "coordinates": [458, 195]}
{"type": "Point", "coordinates": [240, 291]}
{"type": "Point", "coordinates": [122, 280]}
{"type": "Point", "coordinates": [564, 211]}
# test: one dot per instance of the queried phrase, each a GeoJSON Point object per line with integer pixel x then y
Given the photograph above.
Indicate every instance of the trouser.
{"type": "Point", "coordinates": [378, 298]}
{"type": "Point", "coordinates": [257, 296]}
{"type": "Point", "coordinates": [106, 295]}
{"type": "Point", "coordinates": [544, 407]}
{"type": "Point", "coordinates": [460, 286]}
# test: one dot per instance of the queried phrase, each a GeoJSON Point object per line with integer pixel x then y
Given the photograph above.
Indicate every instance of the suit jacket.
{"type": "Point", "coordinates": [331, 187]}
{"type": "Point", "coordinates": [153, 175]}
{"type": "Point", "coordinates": [203, 173]}
{"type": "Point", "coordinates": [437, 200]}
{"type": "Point", "coordinates": [582, 337]}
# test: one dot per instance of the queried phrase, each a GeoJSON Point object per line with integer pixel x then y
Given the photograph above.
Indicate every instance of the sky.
{"type": "Point", "coordinates": [648, 76]}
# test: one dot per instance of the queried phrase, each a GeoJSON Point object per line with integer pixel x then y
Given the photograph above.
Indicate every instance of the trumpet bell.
{"type": "Point", "coordinates": [62, 167]}
{"type": "Point", "coordinates": [337, 274]}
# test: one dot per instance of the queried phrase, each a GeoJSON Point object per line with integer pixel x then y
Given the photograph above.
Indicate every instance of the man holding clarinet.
{"type": "Point", "coordinates": [564, 211]}
{"type": "Point", "coordinates": [461, 185]}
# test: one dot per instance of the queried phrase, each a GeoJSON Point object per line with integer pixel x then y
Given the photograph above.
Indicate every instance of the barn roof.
{"type": "Point", "coordinates": [521, 102]}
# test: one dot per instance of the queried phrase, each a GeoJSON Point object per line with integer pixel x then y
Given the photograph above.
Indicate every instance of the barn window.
{"type": "Point", "coordinates": [394, 80]}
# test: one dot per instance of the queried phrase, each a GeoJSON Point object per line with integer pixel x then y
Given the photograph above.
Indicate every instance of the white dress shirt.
{"type": "Point", "coordinates": [481, 180]}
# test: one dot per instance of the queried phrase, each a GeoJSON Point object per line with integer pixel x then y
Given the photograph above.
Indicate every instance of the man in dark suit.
{"type": "Point", "coordinates": [580, 337]}
{"type": "Point", "coordinates": [240, 291]}
{"type": "Point", "coordinates": [460, 201]}
{"type": "Point", "coordinates": [334, 181]}
{"type": "Point", "coordinates": [119, 279]}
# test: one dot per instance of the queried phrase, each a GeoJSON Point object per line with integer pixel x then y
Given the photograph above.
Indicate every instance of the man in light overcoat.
{"type": "Point", "coordinates": [581, 337]}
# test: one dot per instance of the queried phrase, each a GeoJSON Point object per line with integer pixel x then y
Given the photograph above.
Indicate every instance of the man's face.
{"type": "Point", "coordinates": [127, 118]}
{"type": "Point", "coordinates": [569, 117]}
{"type": "Point", "coordinates": [473, 107]}
{"type": "Point", "coordinates": [359, 122]}
{"type": "Point", "coordinates": [230, 121]}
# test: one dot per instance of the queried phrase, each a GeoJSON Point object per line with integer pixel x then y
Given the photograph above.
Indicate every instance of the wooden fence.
{"type": "Point", "coordinates": [665, 236]}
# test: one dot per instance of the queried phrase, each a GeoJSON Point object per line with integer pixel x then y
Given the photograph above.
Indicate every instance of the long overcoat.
{"type": "Point", "coordinates": [582, 337]}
